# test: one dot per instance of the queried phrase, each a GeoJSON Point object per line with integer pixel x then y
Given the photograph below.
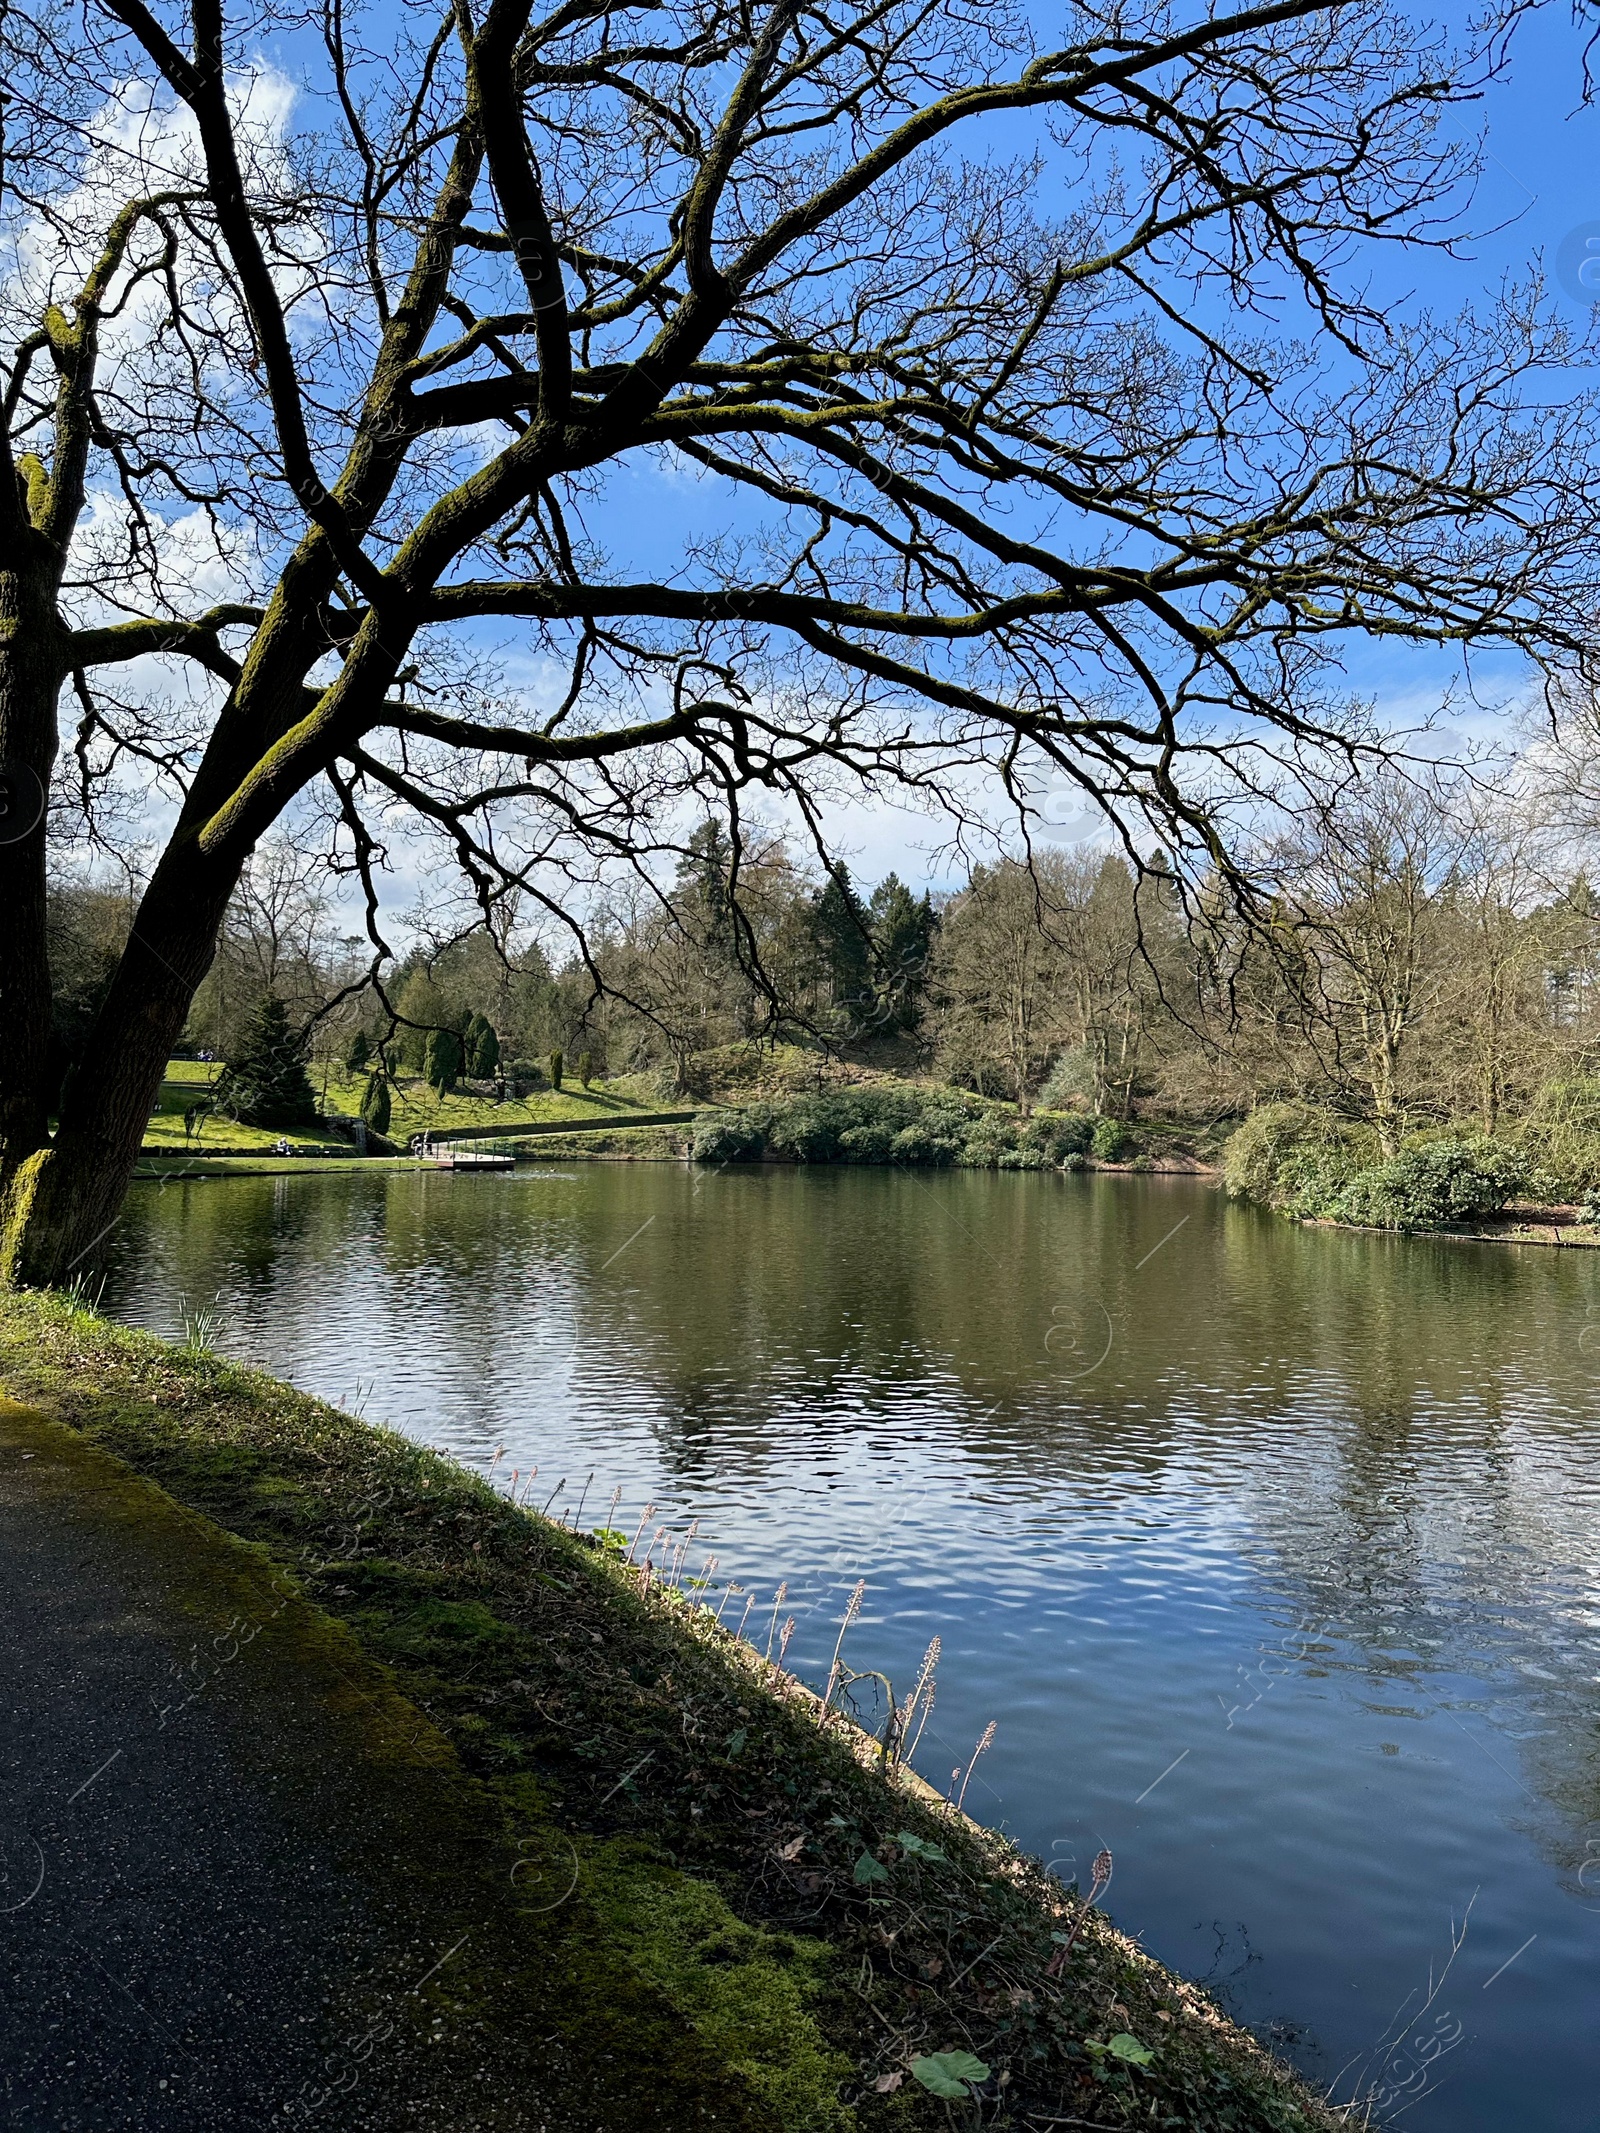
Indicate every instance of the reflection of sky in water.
{"type": "Point", "coordinates": [1290, 1598]}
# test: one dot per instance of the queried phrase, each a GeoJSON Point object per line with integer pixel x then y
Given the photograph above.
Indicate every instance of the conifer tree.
{"type": "Point", "coordinates": [441, 1060]}
{"type": "Point", "coordinates": [844, 940]}
{"type": "Point", "coordinates": [266, 1083]}
{"type": "Point", "coordinates": [375, 1105]}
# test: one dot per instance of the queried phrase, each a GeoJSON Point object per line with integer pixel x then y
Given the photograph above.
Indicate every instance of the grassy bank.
{"type": "Point", "coordinates": [726, 1908]}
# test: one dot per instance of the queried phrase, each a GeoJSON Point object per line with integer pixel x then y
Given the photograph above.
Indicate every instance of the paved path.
{"type": "Point", "coordinates": [204, 1791]}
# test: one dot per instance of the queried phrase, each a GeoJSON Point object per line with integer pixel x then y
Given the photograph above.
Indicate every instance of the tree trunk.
{"type": "Point", "coordinates": [30, 682]}
{"type": "Point", "coordinates": [65, 1197]}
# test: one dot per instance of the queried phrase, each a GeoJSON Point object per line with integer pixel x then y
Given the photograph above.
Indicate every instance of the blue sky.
{"type": "Point", "coordinates": [1540, 184]}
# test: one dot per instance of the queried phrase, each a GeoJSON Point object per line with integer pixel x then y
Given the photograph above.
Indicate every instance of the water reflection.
{"type": "Point", "coordinates": [1272, 1550]}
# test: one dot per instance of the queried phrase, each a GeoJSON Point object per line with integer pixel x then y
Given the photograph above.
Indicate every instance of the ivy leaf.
{"type": "Point", "coordinates": [947, 2073]}
{"type": "Point", "coordinates": [870, 1869]}
{"type": "Point", "coordinates": [918, 1847]}
{"type": "Point", "coordinates": [1122, 2046]}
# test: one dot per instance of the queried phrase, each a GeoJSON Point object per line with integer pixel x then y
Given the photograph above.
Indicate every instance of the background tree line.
{"type": "Point", "coordinates": [1425, 948]}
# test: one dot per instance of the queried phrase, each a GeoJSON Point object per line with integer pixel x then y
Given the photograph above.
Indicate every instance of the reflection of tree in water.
{"type": "Point", "coordinates": [196, 1238]}
{"type": "Point", "coordinates": [1395, 1428]}
{"type": "Point", "coordinates": [1435, 1513]}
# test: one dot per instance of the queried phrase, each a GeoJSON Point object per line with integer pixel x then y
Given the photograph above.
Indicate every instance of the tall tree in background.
{"type": "Point", "coordinates": [902, 928]}
{"type": "Point", "coordinates": [265, 1082]}
{"type": "Point", "coordinates": [304, 383]}
{"type": "Point", "coordinates": [843, 934]}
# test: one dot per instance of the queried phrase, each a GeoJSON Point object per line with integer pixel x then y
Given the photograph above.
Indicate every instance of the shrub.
{"type": "Point", "coordinates": [358, 1053]}
{"type": "Point", "coordinates": [988, 1140]}
{"type": "Point", "coordinates": [1280, 1148]}
{"type": "Point", "coordinates": [872, 1125]}
{"type": "Point", "coordinates": [730, 1137]}
{"type": "Point", "coordinates": [921, 1145]}
{"type": "Point", "coordinates": [1111, 1140]}
{"type": "Point", "coordinates": [889, 1125]}
{"type": "Point", "coordinates": [1435, 1181]}
{"type": "Point", "coordinates": [1061, 1137]}
{"type": "Point", "coordinates": [1071, 1080]}
{"type": "Point", "coordinates": [556, 1067]}
{"type": "Point", "coordinates": [586, 1068]}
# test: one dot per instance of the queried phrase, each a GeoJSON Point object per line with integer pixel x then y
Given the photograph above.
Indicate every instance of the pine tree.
{"type": "Point", "coordinates": [359, 1053]}
{"type": "Point", "coordinates": [375, 1105]}
{"type": "Point", "coordinates": [441, 1060]}
{"type": "Point", "coordinates": [902, 940]}
{"type": "Point", "coordinates": [266, 1083]}
{"type": "Point", "coordinates": [844, 940]}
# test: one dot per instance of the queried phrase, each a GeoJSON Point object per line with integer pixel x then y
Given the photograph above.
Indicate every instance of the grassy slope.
{"type": "Point", "coordinates": [419, 1109]}
{"type": "Point", "coordinates": [186, 1081]}
{"type": "Point", "coordinates": [416, 1109]}
{"type": "Point", "coordinates": [721, 1886]}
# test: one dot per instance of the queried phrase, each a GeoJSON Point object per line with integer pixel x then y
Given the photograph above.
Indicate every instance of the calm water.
{"type": "Point", "coordinates": [1272, 1552]}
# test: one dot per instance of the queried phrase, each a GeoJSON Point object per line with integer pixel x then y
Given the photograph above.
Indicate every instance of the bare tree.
{"type": "Point", "coordinates": [317, 399]}
{"type": "Point", "coordinates": [1366, 887]}
{"type": "Point", "coordinates": [1000, 977]}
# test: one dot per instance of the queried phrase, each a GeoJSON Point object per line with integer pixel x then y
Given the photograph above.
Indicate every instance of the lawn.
{"type": "Point", "coordinates": [417, 1108]}
{"type": "Point", "coordinates": [185, 1083]}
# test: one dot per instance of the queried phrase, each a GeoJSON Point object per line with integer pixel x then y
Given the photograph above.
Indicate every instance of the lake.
{"type": "Point", "coordinates": [1271, 1552]}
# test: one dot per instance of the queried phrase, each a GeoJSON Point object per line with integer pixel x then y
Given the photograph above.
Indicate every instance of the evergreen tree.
{"type": "Point", "coordinates": [702, 890]}
{"type": "Point", "coordinates": [482, 1048]}
{"type": "Point", "coordinates": [556, 1064]}
{"type": "Point", "coordinates": [266, 1083]}
{"type": "Point", "coordinates": [441, 1060]}
{"type": "Point", "coordinates": [844, 940]}
{"type": "Point", "coordinates": [902, 941]}
{"type": "Point", "coordinates": [586, 1067]}
{"type": "Point", "coordinates": [359, 1053]}
{"type": "Point", "coordinates": [375, 1105]}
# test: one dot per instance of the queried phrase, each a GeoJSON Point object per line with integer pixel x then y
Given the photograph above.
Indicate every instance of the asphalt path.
{"type": "Point", "coordinates": [211, 1817]}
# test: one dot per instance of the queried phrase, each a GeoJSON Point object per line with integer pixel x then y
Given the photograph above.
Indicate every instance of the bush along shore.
{"type": "Point", "coordinates": [904, 1123]}
{"type": "Point", "coordinates": [757, 1916]}
{"type": "Point", "coordinates": [1307, 1163]}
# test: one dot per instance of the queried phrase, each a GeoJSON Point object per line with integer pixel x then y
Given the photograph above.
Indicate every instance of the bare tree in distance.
{"type": "Point", "coordinates": [1050, 431]}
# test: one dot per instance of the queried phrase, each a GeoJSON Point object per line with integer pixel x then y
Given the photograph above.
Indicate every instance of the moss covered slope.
{"type": "Point", "coordinates": [733, 1913]}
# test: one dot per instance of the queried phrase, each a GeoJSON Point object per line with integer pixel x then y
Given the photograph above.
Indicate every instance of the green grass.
{"type": "Point", "coordinates": [735, 1912]}
{"type": "Point", "coordinates": [417, 1108]}
{"type": "Point", "coordinates": [185, 1082]}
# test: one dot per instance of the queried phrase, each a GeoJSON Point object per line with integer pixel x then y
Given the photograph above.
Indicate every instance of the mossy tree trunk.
{"type": "Point", "coordinates": [30, 681]}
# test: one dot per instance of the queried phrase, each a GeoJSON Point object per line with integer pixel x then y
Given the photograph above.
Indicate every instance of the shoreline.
{"type": "Point", "coordinates": [815, 1924]}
